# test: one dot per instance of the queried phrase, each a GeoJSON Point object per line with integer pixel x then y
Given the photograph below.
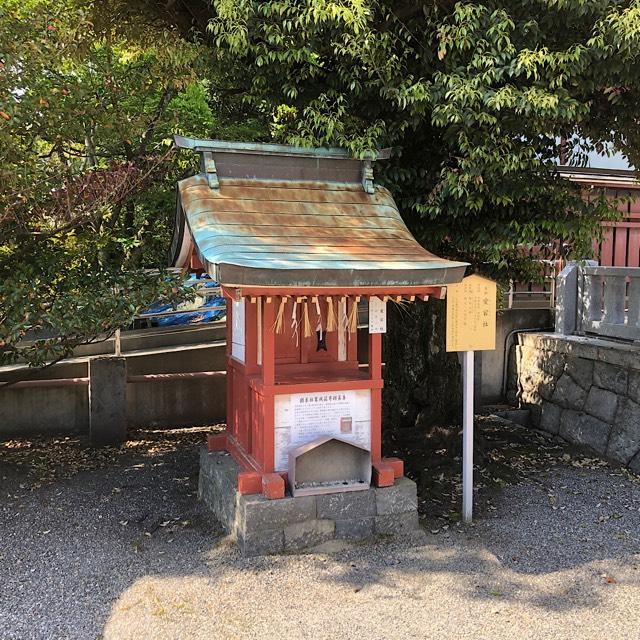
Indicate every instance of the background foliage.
{"type": "Point", "coordinates": [91, 94]}
{"type": "Point", "coordinates": [473, 98]}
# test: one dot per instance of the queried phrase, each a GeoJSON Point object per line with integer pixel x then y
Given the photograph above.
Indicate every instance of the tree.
{"type": "Point", "coordinates": [91, 95]}
{"type": "Point", "coordinates": [473, 98]}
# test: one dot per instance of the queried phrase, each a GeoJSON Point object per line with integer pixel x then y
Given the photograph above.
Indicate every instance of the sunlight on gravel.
{"type": "Point", "coordinates": [112, 544]}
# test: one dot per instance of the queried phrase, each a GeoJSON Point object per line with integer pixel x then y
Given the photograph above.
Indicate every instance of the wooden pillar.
{"type": "Point", "coordinates": [231, 426]}
{"type": "Point", "coordinates": [375, 373]}
{"type": "Point", "coordinates": [250, 335]}
{"type": "Point", "coordinates": [268, 379]}
{"type": "Point", "coordinates": [375, 356]}
{"type": "Point", "coordinates": [268, 342]}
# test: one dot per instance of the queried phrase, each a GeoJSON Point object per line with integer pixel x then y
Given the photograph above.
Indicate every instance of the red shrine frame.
{"type": "Point", "coordinates": [271, 368]}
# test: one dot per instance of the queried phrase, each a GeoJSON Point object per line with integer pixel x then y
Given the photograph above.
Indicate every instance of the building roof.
{"type": "Point", "coordinates": [300, 220]}
{"type": "Point", "coordinates": [596, 176]}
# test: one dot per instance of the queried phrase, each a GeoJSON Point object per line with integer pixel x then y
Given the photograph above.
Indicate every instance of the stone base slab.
{"type": "Point", "coordinates": [261, 526]}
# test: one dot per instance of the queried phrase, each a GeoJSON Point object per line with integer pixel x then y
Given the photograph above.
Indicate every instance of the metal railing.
{"type": "Point", "coordinates": [609, 302]}
{"type": "Point", "coordinates": [529, 295]}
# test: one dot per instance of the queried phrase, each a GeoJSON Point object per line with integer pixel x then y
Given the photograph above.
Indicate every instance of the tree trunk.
{"type": "Point", "coordinates": [422, 381]}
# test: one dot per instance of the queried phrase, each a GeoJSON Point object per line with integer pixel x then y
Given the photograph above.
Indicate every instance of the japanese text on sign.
{"type": "Point", "coordinates": [302, 417]}
{"type": "Point", "coordinates": [471, 315]}
{"type": "Point", "coordinates": [377, 315]}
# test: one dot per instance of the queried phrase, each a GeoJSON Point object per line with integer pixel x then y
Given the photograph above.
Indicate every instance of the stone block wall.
{"type": "Point", "coordinates": [586, 390]}
{"type": "Point", "coordinates": [263, 526]}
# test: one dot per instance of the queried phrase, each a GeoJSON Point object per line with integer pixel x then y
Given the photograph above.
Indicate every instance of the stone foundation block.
{"type": "Point", "coordinates": [622, 355]}
{"type": "Point", "coordinates": [553, 363]}
{"type": "Point", "coordinates": [400, 498]}
{"type": "Point", "coordinates": [585, 430]}
{"type": "Point", "coordinates": [625, 435]}
{"type": "Point", "coordinates": [258, 512]}
{"type": "Point", "coordinates": [550, 417]}
{"type": "Point", "coordinates": [350, 504]}
{"type": "Point", "coordinates": [602, 404]}
{"type": "Point", "coordinates": [568, 394]}
{"type": "Point", "coordinates": [355, 528]}
{"type": "Point", "coordinates": [634, 465]}
{"type": "Point", "coordinates": [262, 526]}
{"type": "Point", "coordinates": [217, 486]}
{"type": "Point", "coordinates": [397, 523]}
{"type": "Point", "coordinates": [303, 535]}
{"type": "Point", "coordinates": [596, 398]}
{"type": "Point", "coordinates": [608, 376]}
{"type": "Point", "coordinates": [261, 543]}
{"type": "Point", "coordinates": [581, 370]}
{"type": "Point", "coordinates": [535, 413]}
{"type": "Point", "coordinates": [634, 386]}
{"type": "Point", "coordinates": [545, 387]}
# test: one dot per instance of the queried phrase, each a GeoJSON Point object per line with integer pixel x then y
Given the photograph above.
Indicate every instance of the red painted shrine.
{"type": "Point", "coordinates": [301, 240]}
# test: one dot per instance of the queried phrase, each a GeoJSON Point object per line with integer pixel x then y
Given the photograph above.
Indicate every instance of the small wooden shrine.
{"type": "Point", "coordinates": [300, 240]}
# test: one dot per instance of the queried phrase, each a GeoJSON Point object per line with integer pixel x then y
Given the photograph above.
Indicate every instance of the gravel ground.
{"type": "Point", "coordinates": [114, 545]}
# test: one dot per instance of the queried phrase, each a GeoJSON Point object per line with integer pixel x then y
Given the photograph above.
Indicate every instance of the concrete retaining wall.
{"type": "Point", "coordinates": [65, 410]}
{"type": "Point", "coordinates": [586, 390]}
{"type": "Point", "coordinates": [494, 363]}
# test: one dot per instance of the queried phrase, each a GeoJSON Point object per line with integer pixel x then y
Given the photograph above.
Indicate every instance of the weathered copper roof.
{"type": "Point", "coordinates": [280, 222]}
{"type": "Point", "coordinates": [263, 232]}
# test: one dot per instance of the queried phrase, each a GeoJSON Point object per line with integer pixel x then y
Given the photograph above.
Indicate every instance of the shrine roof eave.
{"type": "Point", "coordinates": [365, 280]}
{"type": "Point", "coordinates": [237, 291]}
{"type": "Point", "coordinates": [305, 234]}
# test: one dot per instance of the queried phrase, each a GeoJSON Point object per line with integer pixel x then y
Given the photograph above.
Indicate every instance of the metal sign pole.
{"type": "Point", "coordinates": [467, 436]}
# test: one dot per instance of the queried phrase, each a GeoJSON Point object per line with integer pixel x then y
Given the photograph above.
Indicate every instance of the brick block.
{"type": "Point", "coordinates": [249, 482]}
{"type": "Point", "coordinates": [400, 498]}
{"type": "Point", "coordinates": [308, 534]}
{"type": "Point", "coordinates": [217, 441]}
{"type": "Point", "coordinates": [397, 465]}
{"type": "Point", "coordinates": [383, 475]}
{"type": "Point", "coordinates": [272, 486]}
{"type": "Point", "coordinates": [350, 504]}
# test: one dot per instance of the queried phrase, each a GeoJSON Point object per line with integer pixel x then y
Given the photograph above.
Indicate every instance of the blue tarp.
{"type": "Point", "coordinates": [204, 313]}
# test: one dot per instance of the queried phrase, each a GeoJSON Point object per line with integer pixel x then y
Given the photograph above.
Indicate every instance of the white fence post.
{"type": "Point", "coordinates": [566, 292]}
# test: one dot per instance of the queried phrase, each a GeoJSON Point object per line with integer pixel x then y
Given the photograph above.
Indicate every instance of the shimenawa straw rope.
{"type": "Point", "coordinates": [331, 315]}
{"type": "Point", "coordinates": [307, 322]}
{"type": "Point", "coordinates": [352, 323]}
{"type": "Point", "coordinates": [279, 323]}
{"type": "Point", "coordinates": [294, 322]}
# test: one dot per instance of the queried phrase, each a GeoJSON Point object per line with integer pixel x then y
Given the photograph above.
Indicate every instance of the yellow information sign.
{"type": "Point", "coordinates": [471, 315]}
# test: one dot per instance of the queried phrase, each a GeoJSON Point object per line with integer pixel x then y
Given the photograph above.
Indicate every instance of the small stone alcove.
{"type": "Point", "coordinates": [329, 465]}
